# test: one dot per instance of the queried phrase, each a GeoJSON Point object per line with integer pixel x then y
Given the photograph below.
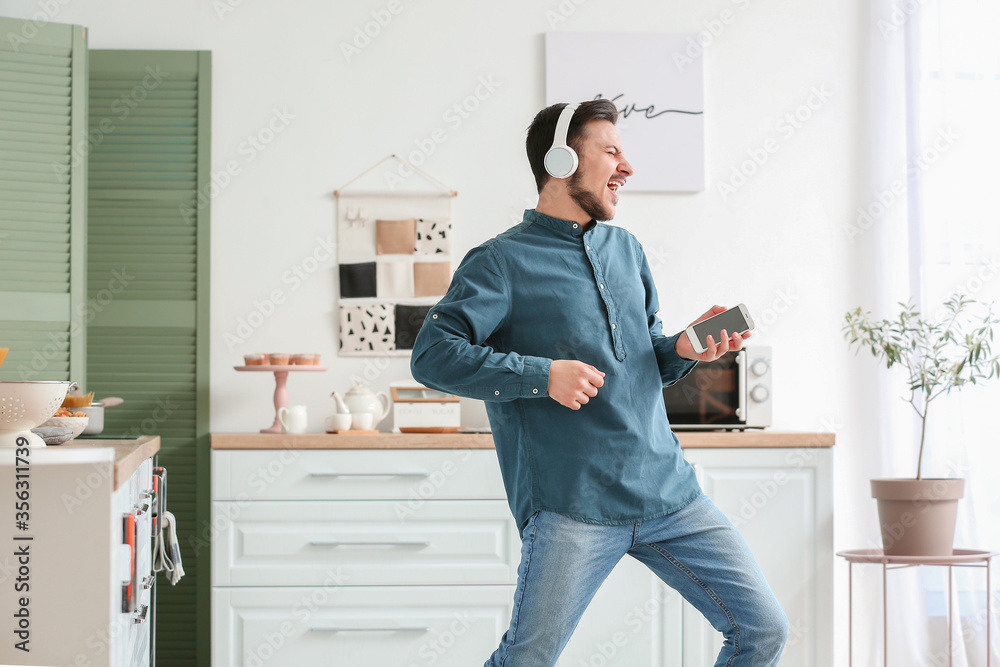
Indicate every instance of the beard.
{"type": "Point", "coordinates": [590, 204]}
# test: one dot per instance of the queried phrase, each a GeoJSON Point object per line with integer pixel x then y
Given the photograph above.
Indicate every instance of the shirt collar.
{"type": "Point", "coordinates": [556, 224]}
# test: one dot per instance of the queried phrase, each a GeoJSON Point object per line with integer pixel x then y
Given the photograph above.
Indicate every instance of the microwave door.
{"type": "Point", "coordinates": [709, 397]}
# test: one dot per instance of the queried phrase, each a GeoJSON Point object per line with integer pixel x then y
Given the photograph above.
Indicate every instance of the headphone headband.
{"type": "Point", "coordinates": [561, 161]}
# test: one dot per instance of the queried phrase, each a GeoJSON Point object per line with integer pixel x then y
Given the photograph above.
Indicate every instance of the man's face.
{"type": "Point", "coordinates": [603, 169]}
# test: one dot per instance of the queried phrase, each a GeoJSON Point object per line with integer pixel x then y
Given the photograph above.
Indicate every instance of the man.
{"type": "Point", "coordinates": [554, 324]}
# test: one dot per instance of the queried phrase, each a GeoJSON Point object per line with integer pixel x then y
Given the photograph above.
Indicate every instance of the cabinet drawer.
{"type": "Point", "coordinates": [293, 474]}
{"type": "Point", "coordinates": [356, 543]}
{"type": "Point", "coordinates": [387, 626]}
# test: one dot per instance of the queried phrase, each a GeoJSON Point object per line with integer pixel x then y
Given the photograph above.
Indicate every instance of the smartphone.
{"type": "Point", "coordinates": [735, 320]}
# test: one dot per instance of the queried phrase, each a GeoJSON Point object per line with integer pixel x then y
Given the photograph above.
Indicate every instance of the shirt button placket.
{"type": "Point", "coordinates": [595, 263]}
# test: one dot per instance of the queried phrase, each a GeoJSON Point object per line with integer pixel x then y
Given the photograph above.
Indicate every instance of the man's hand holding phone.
{"type": "Point", "coordinates": [697, 344]}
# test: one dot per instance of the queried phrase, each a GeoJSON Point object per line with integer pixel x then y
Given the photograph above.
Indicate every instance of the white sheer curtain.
{"type": "Point", "coordinates": [936, 74]}
{"type": "Point", "coordinates": [959, 98]}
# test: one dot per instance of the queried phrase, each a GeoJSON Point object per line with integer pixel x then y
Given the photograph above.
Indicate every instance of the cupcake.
{"type": "Point", "coordinates": [255, 359]}
{"type": "Point", "coordinates": [304, 359]}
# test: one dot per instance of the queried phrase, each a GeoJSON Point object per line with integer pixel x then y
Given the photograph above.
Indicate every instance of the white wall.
{"type": "Point", "coordinates": [776, 243]}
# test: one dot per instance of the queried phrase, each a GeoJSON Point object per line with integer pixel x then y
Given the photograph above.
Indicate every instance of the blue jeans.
{"type": "Point", "coordinates": [696, 551]}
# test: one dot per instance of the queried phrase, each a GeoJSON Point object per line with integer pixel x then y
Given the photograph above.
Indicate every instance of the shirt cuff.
{"type": "Point", "coordinates": [679, 366]}
{"type": "Point", "coordinates": [535, 377]}
{"type": "Point", "coordinates": [686, 369]}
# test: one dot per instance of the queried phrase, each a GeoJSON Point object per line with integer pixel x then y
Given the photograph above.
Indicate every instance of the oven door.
{"type": "Point", "coordinates": [713, 395]}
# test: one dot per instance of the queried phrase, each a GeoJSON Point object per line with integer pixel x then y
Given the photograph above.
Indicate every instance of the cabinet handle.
{"type": "Point", "coordinates": [385, 543]}
{"type": "Point", "coordinates": [370, 474]}
{"type": "Point", "coordinates": [400, 628]}
{"type": "Point", "coordinates": [140, 614]}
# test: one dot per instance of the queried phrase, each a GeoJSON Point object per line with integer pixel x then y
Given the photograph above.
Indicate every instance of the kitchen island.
{"type": "Point", "coordinates": [373, 549]}
{"type": "Point", "coordinates": [83, 552]}
{"type": "Point", "coordinates": [129, 453]}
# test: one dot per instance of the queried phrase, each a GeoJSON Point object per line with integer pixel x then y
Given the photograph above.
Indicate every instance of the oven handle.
{"type": "Point", "coordinates": [741, 387]}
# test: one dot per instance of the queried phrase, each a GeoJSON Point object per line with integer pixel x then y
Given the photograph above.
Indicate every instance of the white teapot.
{"type": "Point", "coordinates": [362, 399]}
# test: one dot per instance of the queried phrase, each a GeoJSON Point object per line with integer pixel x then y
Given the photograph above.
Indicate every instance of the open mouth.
{"type": "Point", "coordinates": [614, 184]}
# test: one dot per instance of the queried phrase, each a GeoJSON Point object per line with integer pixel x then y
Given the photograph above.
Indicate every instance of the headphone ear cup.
{"type": "Point", "coordinates": [561, 161]}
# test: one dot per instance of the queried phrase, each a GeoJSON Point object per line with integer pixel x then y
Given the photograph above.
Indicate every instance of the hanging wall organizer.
{"type": "Point", "coordinates": [394, 252]}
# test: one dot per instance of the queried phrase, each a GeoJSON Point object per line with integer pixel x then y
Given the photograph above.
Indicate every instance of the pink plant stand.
{"type": "Point", "coordinates": [281, 386]}
{"type": "Point", "coordinates": [959, 558]}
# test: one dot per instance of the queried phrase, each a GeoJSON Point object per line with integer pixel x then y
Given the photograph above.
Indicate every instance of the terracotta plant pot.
{"type": "Point", "coordinates": [917, 516]}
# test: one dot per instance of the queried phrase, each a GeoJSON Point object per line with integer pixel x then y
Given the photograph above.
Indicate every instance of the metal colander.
{"type": "Point", "coordinates": [26, 405]}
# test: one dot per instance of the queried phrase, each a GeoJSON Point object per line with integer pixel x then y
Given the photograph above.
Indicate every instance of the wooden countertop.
{"type": "Point", "coordinates": [128, 453]}
{"type": "Point", "coordinates": [753, 438]}
{"type": "Point", "coordinates": [689, 440]}
{"type": "Point", "coordinates": [347, 441]}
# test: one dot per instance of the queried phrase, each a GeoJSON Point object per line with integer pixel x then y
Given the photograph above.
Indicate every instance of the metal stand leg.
{"type": "Point", "coordinates": [950, 615]}
{"type": "Point", "coordinates": [850, 615]}
{"type": "Point", "coordinates": [959, 558]}
{"type": "Point", "coordinates": [885, 619]}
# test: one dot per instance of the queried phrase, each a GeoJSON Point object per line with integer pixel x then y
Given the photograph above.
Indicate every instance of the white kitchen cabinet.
{"type": "Point", "coordinates": [77, 563]}
{"type": "Point", "coordinates": [373, 543]}
{"type": "Point", "coordinates": [357, 626]}
{"type": "Point", "coordinates": [412, 476]}
{"type": "Point", "coordinates": [405, 557]}
{"type": "Point", "coordinates": [360, 557]}
{"type": "Point", "coordinates": [781, 500]}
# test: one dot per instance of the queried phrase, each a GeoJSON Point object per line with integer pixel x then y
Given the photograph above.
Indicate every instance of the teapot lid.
{"type": "Point", "coordinates": [359, 388]}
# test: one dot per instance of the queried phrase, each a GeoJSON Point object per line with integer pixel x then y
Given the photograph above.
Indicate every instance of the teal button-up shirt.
{"type": "Point", "coordinates": [546, 289]}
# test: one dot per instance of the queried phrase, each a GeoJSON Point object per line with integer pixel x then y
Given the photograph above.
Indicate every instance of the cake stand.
{"type": "Point", "coordinates": [281, 388]}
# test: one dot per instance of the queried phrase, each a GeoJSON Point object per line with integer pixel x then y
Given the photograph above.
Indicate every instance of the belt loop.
{"type": "Point", "coordinates": [635, 534]}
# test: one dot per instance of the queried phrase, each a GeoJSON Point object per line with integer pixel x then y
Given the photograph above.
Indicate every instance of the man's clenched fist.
{"type": "Point", "coordinates": [573, 383]}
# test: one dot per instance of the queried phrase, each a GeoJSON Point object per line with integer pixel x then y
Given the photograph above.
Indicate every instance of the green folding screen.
{"type": "Point", "coordinates": [43, 190]}
{"type": "Point", "coordinates": [148, 292]}
{"type": "Point", "coordinates": [104, 260]}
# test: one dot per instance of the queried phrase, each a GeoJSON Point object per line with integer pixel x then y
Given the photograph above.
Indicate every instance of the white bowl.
{"type": "Point", "coordinates": [78, 424]}
{"type": "Point", "coordinates": [25, 405]}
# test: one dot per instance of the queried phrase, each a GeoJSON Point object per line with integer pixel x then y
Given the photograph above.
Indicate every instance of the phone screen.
{"type": "Point", "coordinates": [731, 320]}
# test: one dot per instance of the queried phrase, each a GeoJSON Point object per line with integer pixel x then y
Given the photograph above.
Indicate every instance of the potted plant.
{"type": "Point", "coordinates": [917, 515]}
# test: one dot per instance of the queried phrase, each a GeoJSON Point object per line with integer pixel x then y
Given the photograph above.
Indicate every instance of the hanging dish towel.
{"type": "Point", "coordinates": [167, 551]}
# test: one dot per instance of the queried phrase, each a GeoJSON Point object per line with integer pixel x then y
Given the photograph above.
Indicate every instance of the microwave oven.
{"type": "Point", "coordinates": [732, 392]}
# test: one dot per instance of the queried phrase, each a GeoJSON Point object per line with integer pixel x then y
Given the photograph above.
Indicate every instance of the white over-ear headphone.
{"type": "Point", "coordinates": [561, 161]}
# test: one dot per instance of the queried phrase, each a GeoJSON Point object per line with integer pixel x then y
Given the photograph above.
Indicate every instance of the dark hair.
{"type": "Point", "coordinates": [543, 128]}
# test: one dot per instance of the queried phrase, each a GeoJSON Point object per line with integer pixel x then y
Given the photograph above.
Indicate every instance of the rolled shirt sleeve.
{"type": "Point", "coordinates": [455, 348]}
